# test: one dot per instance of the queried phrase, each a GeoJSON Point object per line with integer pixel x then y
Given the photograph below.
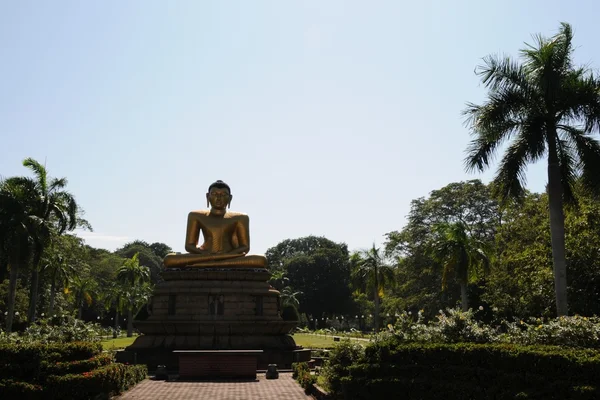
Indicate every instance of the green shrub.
{"type": "Point", "coordinates": [475, 371]}
{"type": "Point", "coordinates": [301, 372]}
{"type": "Point", "coordinates": [299, 368]}
{"type": "Point", "coordinates": [341, 357]}
{"type": "Point", "coordinates": [24, 361]}
{"type": "Point", "coordinates": [76, 367]}
{"type": "Point", "coordinates": [11, 389]}
{"type": "Point", "coordinates": [572, 331]}
{"type": "Point", "coordinates": [111, 379]}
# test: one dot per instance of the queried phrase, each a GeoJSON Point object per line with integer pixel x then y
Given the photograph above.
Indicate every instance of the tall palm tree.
{"type": "Point", "coordinates": [56, 211]}
{"type": "Point", "coordinates": [549, 108]}
{"type": "Point", "coordinates": [115, 296]}
{"type": "Point", "coordinates": [134, 276]}
{"type": "Point", "coordinates": [84, 291]}
{"type": "Point", "coordinates": [61, 272]}
{"type": "Point", "coordinates": [372, 272]}
{"type": "Point", "coordinates": [17, 231]}
{"type": "Point", "coordinates": [461, 255]}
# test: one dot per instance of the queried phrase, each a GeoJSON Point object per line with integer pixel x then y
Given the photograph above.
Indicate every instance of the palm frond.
{"type": "Point", "coordinates": [56, 184]}
{"type": "Point", "coordinates": [493, 123]}
{"type": "Point", "coordinates": [568, 170]}
{"type": "Point", "coordinates": [40, 172]}
{"type": "Point", "coordinates": [588, 154]}
{"type": "Point", "coordinates": [510, 178]}
{"type": "Point", "coordinates": [500, 73]}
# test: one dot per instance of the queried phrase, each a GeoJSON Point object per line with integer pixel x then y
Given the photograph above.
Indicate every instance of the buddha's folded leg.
{"type": "Point", "coordinates": [196, 260]}
{"type": "Point", "coordinates": [249, 261]}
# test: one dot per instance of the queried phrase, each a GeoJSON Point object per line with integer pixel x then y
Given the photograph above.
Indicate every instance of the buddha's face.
{"type": "Point", "coordinates": [218, 198]}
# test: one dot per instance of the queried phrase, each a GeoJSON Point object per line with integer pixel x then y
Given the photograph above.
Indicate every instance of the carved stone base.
{"type": "Point", "coordinates": [215, 309]}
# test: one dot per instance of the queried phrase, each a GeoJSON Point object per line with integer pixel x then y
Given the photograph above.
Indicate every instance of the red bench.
{"type": "Point", "coordinates": [236, 364]}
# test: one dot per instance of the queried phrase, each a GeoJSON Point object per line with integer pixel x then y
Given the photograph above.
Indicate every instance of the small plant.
{"type": "Point", "coordinates": [301, 373]}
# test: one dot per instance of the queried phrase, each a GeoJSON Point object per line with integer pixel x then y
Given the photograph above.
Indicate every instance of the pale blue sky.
{"type": "Point", "coordinates": [325, 117]}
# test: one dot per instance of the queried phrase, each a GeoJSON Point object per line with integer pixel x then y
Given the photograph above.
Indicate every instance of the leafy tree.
{"type": "Point", "coordinates": [548, 107]}
{"type": "Point", "coordinates": [84, 291]}
{"type": "Point", "coordinates": [60, 262]}
{"type": "Point", "coordinates": [371, 270]}
{"type": "Point", "coordinates": [160, 249]}
{"type": "Point", "coordinates": [521, 283]}
{"type": "Point", "coordinates": [460, 255]}
{"type": "Point", "coordinates": [277, 256]}
{"type": "Point", "coordinates": [53, 210]}
{"type": "Point", "coordinates": [134, 276]}
{"type": "Point", "coordinates": [115, 297]}
{"type": "Point", "coordinates": [317, 269]}
{"type": "Point", "coordinates": [146, 256]}
{"type": "Point", "coordinates": [418, 274]}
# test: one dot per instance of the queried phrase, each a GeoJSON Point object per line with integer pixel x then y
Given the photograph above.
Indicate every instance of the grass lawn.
{"type": "Point", "coordinates": [118, 343]}
{"type": "Point", "coordinates": [302, 339]}
{"type": "Point", "coordinates": [313, 342]}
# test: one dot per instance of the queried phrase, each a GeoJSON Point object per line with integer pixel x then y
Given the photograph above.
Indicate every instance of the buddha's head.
{"type": "Point", "coordinates": [218, 195]}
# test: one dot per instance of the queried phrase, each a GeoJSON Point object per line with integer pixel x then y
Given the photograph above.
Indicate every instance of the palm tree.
{"type": "Point", "coordinates": [16, 231]}
{"type": "Point", "coordinates": [372, 272]}
{"type": "Point", "coordinates": [461, 255]}
{"type": "Point", "coordinates": [549, 108]}
{"type": "Point", "coordinates": [61, 272]}
{"type": "Point", "coordinates": [279, 279]}
{"type": "Point", "coordinates": [115, 296]}
{"type": "Point", "coordinates": [56, 211]}
{"type": "Point", "coordinates": [84, 290]}
{"type": "Point", "coordinates": [290, 297]}
{"type": "Point", "coordinates": [134, 276]}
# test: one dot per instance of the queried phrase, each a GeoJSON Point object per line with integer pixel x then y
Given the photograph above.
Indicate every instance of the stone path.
{"type": "Point", "coordinates": [264, 389]}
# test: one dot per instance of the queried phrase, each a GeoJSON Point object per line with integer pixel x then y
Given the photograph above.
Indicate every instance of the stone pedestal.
{"type": "Point", "coordinates": [215, 309]}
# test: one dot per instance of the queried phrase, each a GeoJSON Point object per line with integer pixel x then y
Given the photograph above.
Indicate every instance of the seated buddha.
{"type": "Point", "coordinates": [226, 236]}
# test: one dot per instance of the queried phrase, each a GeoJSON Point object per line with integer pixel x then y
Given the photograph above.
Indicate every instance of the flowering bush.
{"type": "Point", "coordinates": [460, 326]}
{"type": "Point", "coordinates": [57, 329]}
{"type": "Point", "coordinates": [573, 331]}
{"type": "Point", "coordinates": [111, 379]}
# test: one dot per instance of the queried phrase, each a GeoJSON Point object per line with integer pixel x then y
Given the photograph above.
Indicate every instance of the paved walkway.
{"type": "Point", "coordinates": [264, 389]}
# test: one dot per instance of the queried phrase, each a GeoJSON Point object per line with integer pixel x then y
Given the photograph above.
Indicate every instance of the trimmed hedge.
{"type": "Point", "coordinates": [463, 371]}
{"type": "Point", "coordinates": [111, 379]}
{"type": "Point", "coordinates": [25, 361]}
{"type": "Point", "coordinates": [76, 367]}
{"type": "Point", "coordinates": [63, 371]}
{"type": "Point", "coordinates": [20, 390]}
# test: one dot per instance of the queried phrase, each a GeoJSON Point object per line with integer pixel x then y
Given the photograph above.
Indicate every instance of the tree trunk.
{"type": "Point", "coordinates": [464, 298]}
{"type": "Point", "coordinates": [116, 329]}
{"type": "Point", "coordinates": [130, 322]}
{"type": "Point", "coordinates": [12, 292]}
{"type": "Point", "coordinates": [3, 269]}
{"type": "Point", "coordinates": [33, 293]}
{"type": "Point", "coordinates": [557, 231]}
{"type": "Point", "coordinates": [52, 297]}
{"type": "Point", "coordinates": [376, 300]}
{"type": "Point", "coordinates": [80, 305]}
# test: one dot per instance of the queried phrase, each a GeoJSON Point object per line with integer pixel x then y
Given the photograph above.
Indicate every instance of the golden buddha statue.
{"type": "Point", "coordinates": [226, 236]}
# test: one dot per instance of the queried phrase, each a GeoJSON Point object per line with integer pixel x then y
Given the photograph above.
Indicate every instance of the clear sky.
{"type": "Point", "coordinates": [325, 117]}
